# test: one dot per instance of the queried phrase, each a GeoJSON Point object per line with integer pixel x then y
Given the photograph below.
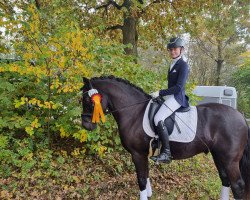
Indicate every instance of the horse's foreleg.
{"type": "Point", "coordinates": [149, 188]}
{"type": "Point", "coordinates": [141, 166]}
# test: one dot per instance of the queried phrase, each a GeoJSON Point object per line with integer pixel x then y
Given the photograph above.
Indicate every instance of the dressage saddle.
{"type": "Point", "coordinates": [170, 121]}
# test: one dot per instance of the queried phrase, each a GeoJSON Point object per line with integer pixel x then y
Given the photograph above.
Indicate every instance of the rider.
{"type": "Point", "coordinates": [177, 77]}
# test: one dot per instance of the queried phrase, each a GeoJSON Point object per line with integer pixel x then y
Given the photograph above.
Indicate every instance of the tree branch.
{"type": "Point", "coordinates": [158, 1]}
{"type": "Point", "coordinates": [205, 49]}
{"type": "Point", "coordinates": [118, 26]}
{"type": "Point", "coordinates": [38, 5]}
{"type": "Point", "coordinates": [110, 2]}
{"type": "Point", "coordinates": [230, 39]}
{"type": "Point", "coordinates": [209, 39]}
{"type": "Point", "coordinates": [7, 7]}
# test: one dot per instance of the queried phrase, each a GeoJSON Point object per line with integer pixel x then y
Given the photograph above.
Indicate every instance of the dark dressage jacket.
{"type": "Point", "coordinates": [177, 78]}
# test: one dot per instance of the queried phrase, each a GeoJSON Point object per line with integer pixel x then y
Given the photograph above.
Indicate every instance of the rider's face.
{"type": "Point", "coordinates": [174, 52]}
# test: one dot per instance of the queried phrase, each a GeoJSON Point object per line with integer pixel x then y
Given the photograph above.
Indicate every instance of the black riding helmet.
{"type": "Point", "coordinates": [175, 42]}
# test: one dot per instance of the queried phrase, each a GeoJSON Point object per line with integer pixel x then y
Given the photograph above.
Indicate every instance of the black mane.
{"type": "Point", "coordinates": [111, 77]}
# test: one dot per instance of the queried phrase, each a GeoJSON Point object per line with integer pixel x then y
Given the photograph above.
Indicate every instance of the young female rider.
{"type": "Point", "coordinates": [177, 77]}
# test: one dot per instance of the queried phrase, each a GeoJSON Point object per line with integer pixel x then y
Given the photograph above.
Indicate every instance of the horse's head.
{"type": "Point", "coordinates": [88, 105]}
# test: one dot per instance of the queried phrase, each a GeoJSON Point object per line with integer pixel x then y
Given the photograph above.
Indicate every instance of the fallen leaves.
{"type": "Point", "coordinates": [101, 179]}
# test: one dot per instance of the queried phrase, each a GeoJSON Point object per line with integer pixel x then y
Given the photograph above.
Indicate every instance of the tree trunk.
{"type": "Point", "coordinates": [219, 62]}
{"type": "Point", "coordinates": [130, 36]}
{"type": "Point", "coordinates": [219, 67]}
{"type": "Point", "coordinates": [129, 30]}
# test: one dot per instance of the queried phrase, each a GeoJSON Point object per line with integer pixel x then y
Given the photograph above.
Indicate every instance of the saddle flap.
{"type": "Point", "coordinates": [169, 122]}
{"type": "Point", "coordinates": [153, 108]}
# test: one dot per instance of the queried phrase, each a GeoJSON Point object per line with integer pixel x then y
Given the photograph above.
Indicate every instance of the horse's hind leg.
{"type": "Point", "coordinates": [230, 175]}
{"type": "Point", "coordinates": [141, 166]}
{"type": "Point", "coordinates": [236, 181]}
{"type": "Point", "coordinates": [223, 177]}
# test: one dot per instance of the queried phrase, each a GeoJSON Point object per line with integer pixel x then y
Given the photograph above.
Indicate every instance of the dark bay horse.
{"type": "Point", "coordinates": [221, 130]}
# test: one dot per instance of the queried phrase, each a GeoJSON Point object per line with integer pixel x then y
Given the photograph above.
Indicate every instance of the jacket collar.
{"type": "Point", "coordinates": [176, 64]}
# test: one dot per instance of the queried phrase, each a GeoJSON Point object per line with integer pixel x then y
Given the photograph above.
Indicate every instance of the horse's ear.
{"type": "Point", "coordinates": [85, 80]}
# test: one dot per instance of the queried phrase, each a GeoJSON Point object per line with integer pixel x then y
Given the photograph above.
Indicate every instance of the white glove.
{"type": "Point", "coordinates": [92, 92]}
{"type": "Point", "coordinates": [155, 94]}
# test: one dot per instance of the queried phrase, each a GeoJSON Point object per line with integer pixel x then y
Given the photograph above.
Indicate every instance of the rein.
{"type": "Point", "coordinates": [123, 108]}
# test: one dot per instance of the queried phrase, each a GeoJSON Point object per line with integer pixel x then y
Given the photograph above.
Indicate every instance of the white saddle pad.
{"type": "Point", "coordinates": [187, 122]}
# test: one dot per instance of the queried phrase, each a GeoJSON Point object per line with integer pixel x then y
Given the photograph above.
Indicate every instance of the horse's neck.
{"type": "Point", "coordinates": [122, 99]}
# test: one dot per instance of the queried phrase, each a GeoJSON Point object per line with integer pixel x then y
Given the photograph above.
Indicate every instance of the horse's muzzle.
{"type": "Point", "coordinates": [87, 123]}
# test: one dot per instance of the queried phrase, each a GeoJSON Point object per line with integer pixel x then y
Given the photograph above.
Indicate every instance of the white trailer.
{"type": "Point", "coordinates": [217, 94]}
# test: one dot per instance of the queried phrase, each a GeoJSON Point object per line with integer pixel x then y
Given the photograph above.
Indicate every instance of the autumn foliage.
{"type": "Point", "coordinates": [49, 46]}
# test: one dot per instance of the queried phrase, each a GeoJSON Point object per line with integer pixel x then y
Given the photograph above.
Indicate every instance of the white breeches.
{"type": "Point", "coordinates": [166, 110]}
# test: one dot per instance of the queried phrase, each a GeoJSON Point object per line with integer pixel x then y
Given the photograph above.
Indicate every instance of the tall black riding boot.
{"type": "Point", "coordinates": [165, 155]}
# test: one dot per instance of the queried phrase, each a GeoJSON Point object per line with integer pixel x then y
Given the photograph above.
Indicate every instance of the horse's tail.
{"type": "Point", "coordinates": [245, 168]}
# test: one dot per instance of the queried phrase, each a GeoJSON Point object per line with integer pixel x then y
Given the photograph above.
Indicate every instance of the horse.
{"type": "Point", "coordinates": [221, 130]}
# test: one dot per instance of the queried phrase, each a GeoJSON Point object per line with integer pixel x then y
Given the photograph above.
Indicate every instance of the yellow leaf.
{"type": "Point", "coordinates": [63, 133]}
{"type": "Point", "coordinates": [17, 103]}
{"type": "Point", "coordinates": [29, 130]}
{"type": "Point", "coordinates": [33, 101]}
{"type": "Point", "coordinates": [39, 104]}
{"type": "Point", "coordinates": [76, 152]}
{"type": "Point", "coordinates": [76, 179]}
{"type": "Point", "coordinates": [35, 124]}
{"type": "Point", "coordinates": [83, 136]}
{"type": "Point", "coordinates": [101, 150]}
